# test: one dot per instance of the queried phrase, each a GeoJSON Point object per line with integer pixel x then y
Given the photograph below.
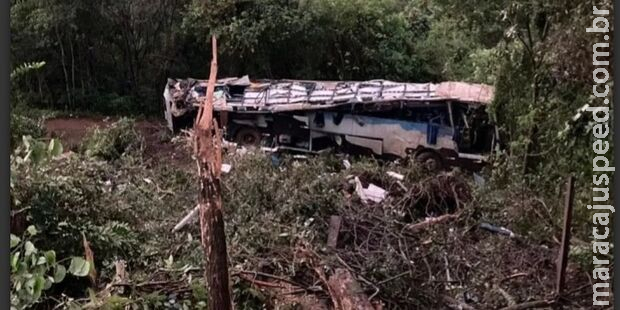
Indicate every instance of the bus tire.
{"type": "Point", "coordinates": [430, 160]}
{"type": "Point", "coordinates": [248, 136]}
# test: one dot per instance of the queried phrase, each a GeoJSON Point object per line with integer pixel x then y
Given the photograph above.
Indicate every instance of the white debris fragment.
{"type": "Point", "coordinates": [300, 156]}
{"type": "Point", "coordinates": [226, 168]}
{"type": "Point", "coordinates": [375, 193]}
{"type": "Point", "coordinates": [395, 175]}
{"type": "Point", "coordinates": [347, 164]}
{"type": "Point", "coordinates": [241, 151]}
{"type": "Point", "coordinates": [372, 193]}
{"type": "Point", "coordinates": [148, 181]}
{"type": "Point", "coordinates": [359, 189]}
{"type": "Point", "coordinates": [269, 149]}
{"type": "Point", "coordinates": [186, 219]}
{"type": "Point", "coordinates": [229, 144]}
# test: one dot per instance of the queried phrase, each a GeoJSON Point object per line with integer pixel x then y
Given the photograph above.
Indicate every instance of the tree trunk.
{"type": "Point", "coordinates": [72, 65]}
{"type": "Point", "coordinates": [64, 67]}
{"type": "Point", "coordinates": [208, 152]}
{"type": "Point", "coordinates": [40, 87]}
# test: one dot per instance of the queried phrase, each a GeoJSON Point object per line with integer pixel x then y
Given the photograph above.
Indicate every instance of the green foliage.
{"type": "Point", "coordinates": [25, 68]}
{"type": "Point", "coordinates": [34, 271]}
{"type": "Point", "coordinates": [533, 52]}
{"type": "Point", "coordinates": [65, 198]}
{"type": "Point", "coordinates": [19, 95]}
{"type": "Point", "coordinates": [110, 143]}
{"type": "Point", "coordinates": [24, 126]}
{"type": "Point", "coordinates": [36, 151]}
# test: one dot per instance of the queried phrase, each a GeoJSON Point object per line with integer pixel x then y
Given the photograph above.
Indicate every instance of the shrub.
{"type": "Point", "coordinates": [112, 142]}
{"type": "Point", "coordinates": [74, 195]}
{"type": "Point", "coordinates": [24, 126]}
{"type": "Point", "coordinates": [34, 271]}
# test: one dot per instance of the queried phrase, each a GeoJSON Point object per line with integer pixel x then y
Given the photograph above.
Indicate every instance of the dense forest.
{"type": "Point", "coordinates": [112, 58]}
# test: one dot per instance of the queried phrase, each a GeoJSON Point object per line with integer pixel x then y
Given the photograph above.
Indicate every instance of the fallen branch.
{"type": "Point", "coordinates": [455, 304]}
{"type": "Point", "coordinates": [498, 230]}
{"type": "Point", "coordinates": [431, 221]}
{"type": "Point", "coordinates": [516, 275]}
{"type": "Point", "coordinates": [377, 290]}
{"type": "Point", "coordinates": [259, 282]}
{"type": "Point", "coordinates": [396, 176]}
{"type": "Point", "coordinates": [394, 277]}
{"type": "Point", "coordinates": [346, 292]}
{"type": "Point", "coordinates": [508, 297]}
{"type": "Point", "coordinates": [266, 275]}
{"type": "Point", "coordinates": [186, 219]}
{"type": "Point", "coordinates": [530, 305]}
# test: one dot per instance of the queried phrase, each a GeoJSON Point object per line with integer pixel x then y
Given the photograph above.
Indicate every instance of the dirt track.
{"type": "Point", "coordinates": [72, 131]}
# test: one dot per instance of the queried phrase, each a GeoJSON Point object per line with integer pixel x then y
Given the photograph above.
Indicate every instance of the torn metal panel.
{"type": "Point", "coordinates": [287, 95]}
{"type": "Point", "coordinates": [465, 92]}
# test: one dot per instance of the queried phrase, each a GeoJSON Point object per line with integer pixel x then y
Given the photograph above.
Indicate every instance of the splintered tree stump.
{"type": "Point", "coordinates": [208, 151]}
{"type": "Point", "coordinates": [346, 293]}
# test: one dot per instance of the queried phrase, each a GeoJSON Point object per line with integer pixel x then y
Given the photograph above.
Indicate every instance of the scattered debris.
{"type": "Point", "coordinates": [346, 163]}
{"type": "Point", "coordinates": [228, 144]}
{"type": "Point", "coordinates": [226, 168]}
{"type": "Point", "coordinates": [241, 151]}
{"type": "Point", "coordinates": [497, 229]}
{"type": "Point", "coordinates": [531, 305]}
{"type": "Point", "coordinates": [359, 189]}
{"type": "Point", "coordinates": [508, 297]}
{"type": "Point", "coordinates": [186, 219]}
{"type": "Point", "coordinates": [401, 185]}
{"type": "Point", "coordinates": [373, 192]}
{"type": "Point", "coordinates": [334, 229]}
{"type": "Point", "coordinates": [395, 175]}
{"type": "Point", "coordinates": [269, 149]}
{"type": "Point", "coordinates": [430, 221]}
{"type": "Point", "coordinates": [455, 304]}
{"type": "Point", "coordinates": [346, 293]}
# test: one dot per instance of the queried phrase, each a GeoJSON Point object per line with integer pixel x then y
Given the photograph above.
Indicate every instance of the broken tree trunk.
{"type": "Point", "coordinates": [346, 292]}
{"type": "Point", "coordinates": [208, 151]}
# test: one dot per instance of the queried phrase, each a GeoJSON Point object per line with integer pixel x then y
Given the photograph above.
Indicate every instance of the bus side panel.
{"type": "Point", "coordinates": [397, 136]}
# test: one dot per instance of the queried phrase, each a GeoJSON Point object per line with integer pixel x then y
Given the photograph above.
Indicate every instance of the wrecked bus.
{"type": "Point", "coordinates": [443, 124]}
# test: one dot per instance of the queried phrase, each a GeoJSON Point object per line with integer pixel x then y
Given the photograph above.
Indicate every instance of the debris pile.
{"type": "Point", "coordinates": [333, 232]}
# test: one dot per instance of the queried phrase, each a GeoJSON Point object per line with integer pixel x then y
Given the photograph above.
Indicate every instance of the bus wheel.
{"type": "Point", "coordinates": [248, 137]}
{"type": "Point", "coordinates": [430, 160]}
